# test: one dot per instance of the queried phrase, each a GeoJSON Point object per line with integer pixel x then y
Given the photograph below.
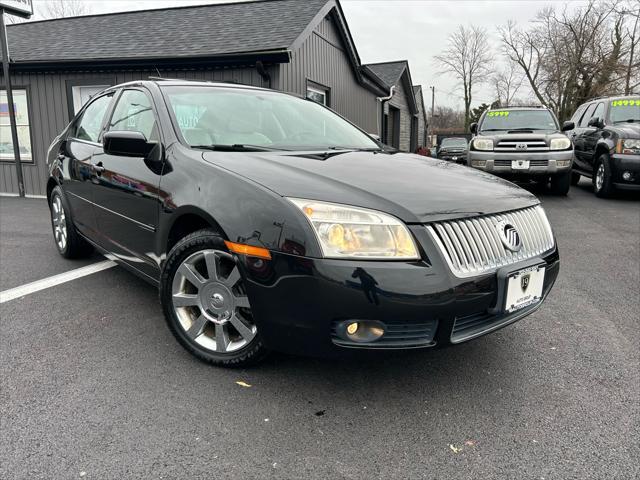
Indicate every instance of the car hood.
{"type": "Point", "coordinates": [523, 136]}
{"type": "Point", "coordinates": [627, 130]}
{"type": "Point", "coordinates": [415, 189]}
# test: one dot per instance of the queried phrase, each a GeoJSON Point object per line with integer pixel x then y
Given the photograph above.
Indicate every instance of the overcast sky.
{"type": "Point", "coordinates": [413, 30]}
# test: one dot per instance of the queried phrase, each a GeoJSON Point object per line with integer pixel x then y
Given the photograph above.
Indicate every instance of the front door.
{"type": "Point", "coordinates": [127, 196]}
{"type": "Point", "coordinates": [76, 154]}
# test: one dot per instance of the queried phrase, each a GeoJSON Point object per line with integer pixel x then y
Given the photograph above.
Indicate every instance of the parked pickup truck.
{"type": "Point", "coordinates": [523, 143]}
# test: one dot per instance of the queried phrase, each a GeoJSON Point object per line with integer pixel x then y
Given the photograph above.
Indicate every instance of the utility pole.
{"type": "Point", "coordinates": [4, 45]}
{"type": "Point", "coordinates": [433, 103]}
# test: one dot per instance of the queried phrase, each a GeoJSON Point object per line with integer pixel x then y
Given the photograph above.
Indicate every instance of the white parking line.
{"type": "Point", "coordinates": [54, 280]}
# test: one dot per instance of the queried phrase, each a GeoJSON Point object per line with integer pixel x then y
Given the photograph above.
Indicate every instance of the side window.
{"type": "Point", "coordinates": [599, 111]}
{"type": "Point", "coordinates": [90, 124]}
{"type": "Point", "coordinates": [587, 115]}
{"type": "Point", "coordinates": [134, 113]}
{"type": "Point", "coordinates": [576, 116]}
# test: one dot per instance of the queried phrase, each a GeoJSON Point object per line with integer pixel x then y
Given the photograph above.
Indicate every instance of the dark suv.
{"type": "Point", "coordinates": [523, 143]}
{"type": "Point", "coordinates": [269, 222]}
{"type": "Point", "coordinates": [607, 144]}
{"type": "Point", "coordinates": [453, 149]}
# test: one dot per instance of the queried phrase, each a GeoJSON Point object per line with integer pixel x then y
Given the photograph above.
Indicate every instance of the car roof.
{"type": "Point", "coordinates": [170, 82]}
{"type": "Point", "coordinates": [521, 107]}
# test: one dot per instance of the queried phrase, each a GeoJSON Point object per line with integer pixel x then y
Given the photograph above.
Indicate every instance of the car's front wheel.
{"type": "Point", "coordinates": [560, 183]}
{"type": "Point", "coordinates": [602, 181]}
{"type": "Point", "coordinates": [68, 242]}
{"type": "Point", "coordinates": [205, 302]}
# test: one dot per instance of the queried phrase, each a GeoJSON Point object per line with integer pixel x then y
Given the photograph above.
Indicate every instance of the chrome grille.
{"type": "Point", "coordinates": [472, 246]}
{"type": "Point", "coordinates": [532, 163]}
{"type": "Point", "coordinates": [531, 145]}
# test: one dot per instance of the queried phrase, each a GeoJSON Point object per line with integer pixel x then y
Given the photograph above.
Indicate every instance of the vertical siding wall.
{"type": "Point", "coordinates": [322, 59]}
{"type": "Point", "coordinates": [49, 112]}
{"type": "Point", "coordinates": [399, 100]}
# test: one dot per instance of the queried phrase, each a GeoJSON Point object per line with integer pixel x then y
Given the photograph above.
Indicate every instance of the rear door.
{"type": "Point", "coordinates": [582, 130]}
{"type": "Point", "coordinates": [76, 154]}
{"type": "Point", "coordinates": [591, 137]}
{"type": "Point", "coordinates": [127, 195]}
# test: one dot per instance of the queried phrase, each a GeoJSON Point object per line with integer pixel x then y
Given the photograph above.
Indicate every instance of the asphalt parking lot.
{"type": "Point", "coordinates": [93, 385]}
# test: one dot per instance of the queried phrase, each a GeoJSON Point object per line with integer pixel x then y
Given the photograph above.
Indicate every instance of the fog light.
{"type": "Point", "coordinates": [627, 176]}
{"type": "Point", "coordinates": [478, 163]}
{"type": "Point", "coordinates": [362, 331]}
{"type": "Point", "coordinates": [352, 328]}
{"type": "Point", "coordinates": [563, 163]}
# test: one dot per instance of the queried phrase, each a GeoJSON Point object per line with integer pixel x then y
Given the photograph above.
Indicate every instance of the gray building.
{"type": "Point", "coordinates": [404, 118]}
{"type": "Point", "coordinates": [303, 47]}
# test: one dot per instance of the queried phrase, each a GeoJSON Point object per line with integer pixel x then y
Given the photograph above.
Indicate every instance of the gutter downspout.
{"type": "Point", "coordinates": [382, 101]}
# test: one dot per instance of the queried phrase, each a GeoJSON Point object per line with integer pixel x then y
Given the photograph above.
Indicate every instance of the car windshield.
{"type": "Point", "coordinates": [454, 142]}
{"type": "Point", "coordinates": [503, 120]}
{"type": "Point", "coordinates": [625, 110]}
{"type": "Point", "coordinates": [218, 116]}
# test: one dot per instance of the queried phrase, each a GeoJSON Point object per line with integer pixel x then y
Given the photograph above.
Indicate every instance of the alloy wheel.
{"type": "Point", "coordinates": [59, 222]}
{"type": "Point", "coordinates": [210, 302]}
{"type": "Point", "coordinates": [600, 177]}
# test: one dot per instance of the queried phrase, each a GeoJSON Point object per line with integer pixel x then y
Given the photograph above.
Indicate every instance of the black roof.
{"type": "Point", "coordinates": [388, 72]}
{"type": "Point", "coordinates": [194, 31]}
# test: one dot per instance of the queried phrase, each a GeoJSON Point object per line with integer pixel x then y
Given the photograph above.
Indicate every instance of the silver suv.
{"type": "Point", "coordinates": [523, 143]}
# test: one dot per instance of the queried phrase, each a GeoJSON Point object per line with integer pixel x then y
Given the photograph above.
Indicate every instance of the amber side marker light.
{"type": "Point", "coordinates": [248, 250]}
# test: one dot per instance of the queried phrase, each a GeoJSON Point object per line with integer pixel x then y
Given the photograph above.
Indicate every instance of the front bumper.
{"type": "Point", "coordinates": [622, 163]}
{"type": "Point", "coordinates": [458, 157]}
{"type": "Point", "coordinates": [297, 302]}
{"type": "Point", "coordinates": [540, 163]}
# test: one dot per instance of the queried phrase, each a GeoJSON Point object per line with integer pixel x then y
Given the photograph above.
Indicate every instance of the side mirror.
{"type": "Point", "coordinates": [127, 144]}
{"type": "Point", "coordinates": [596, 122]}
{"type": "Point", "coordinates": [566, 126]}
{"type": "Point", "coordinates": [474, 128]}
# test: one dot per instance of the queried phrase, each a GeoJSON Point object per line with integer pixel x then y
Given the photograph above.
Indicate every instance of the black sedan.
{"type": "Point", "coordinates": [269, 222]}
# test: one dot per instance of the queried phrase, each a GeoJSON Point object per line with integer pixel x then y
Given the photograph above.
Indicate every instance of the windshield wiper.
{"type": "Point", "coordinates": [238, 147]}
{"type": "Point", "coordinates": [494, 130]}
{"type": "Point", "coordinates": [631, 120]}
{"type": "Point", "coordinates": [356, 149]}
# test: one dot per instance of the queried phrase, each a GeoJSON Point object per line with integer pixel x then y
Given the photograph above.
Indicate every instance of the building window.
{"type": "Point", "coordinates": [83, 93]}
{"type": "Point", "coordinates": [21, 108]}
{"type": "Point", "coordinates": [318, 93]}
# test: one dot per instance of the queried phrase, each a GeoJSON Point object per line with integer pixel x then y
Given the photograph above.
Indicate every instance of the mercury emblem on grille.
{"type": "Point", "coordinates": [509, 236]}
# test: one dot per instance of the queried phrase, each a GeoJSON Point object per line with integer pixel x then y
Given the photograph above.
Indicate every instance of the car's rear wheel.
{"type": "Point", "coordinates": [68, 242]}
{"type": "Point", "coordinates": [575, 178]}
{"type": "Point", "coordinates": [602, 181]}
{"type": "Point", "coordinates": [206, 304]}
{"type": "Point", "coordinates": [560, 183]}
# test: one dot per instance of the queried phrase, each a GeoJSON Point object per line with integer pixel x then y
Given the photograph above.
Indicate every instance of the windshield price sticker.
{"type": "Point", "coordinates": [625, 103]}
{"type": "Point", "coordinates": [497, 114]}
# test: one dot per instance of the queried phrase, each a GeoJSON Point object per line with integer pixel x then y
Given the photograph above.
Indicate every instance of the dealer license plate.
{"type": "Point", "coordinates": [524, 288]}
{"type": "Point", "coordinates": [520, 164]}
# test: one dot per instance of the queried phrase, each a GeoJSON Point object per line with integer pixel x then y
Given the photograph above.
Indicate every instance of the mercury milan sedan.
{"type": "Point", "coordinates": [269, 222]}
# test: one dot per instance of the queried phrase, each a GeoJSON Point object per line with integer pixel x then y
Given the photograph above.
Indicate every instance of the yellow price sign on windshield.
{"type": "Point", "coordinates": [626, 103]}
{"type": "Point", "coordinates": [498, 114]}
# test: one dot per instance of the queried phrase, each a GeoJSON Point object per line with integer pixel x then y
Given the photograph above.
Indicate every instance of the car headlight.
{"type": "Point", "coordinates": [560, 143]}
{"type": "Point", "coordinates": [354, 232]}
{"type": "Point", "coordinates": [628, 145]}
{"type": "Point", "coordinates": [485, 144]}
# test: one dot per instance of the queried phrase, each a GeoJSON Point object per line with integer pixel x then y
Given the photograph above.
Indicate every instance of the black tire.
{"type": "Point", "coordinates": [606, 188]}
{"type": "Point", "coordinates": [561, 183]}
{"type": "Point", "coordinates": [73, 246]}
{"type": "Point", "coordinates": [203, 240]}
{"type": "Point", "coordinates": [575, 178]}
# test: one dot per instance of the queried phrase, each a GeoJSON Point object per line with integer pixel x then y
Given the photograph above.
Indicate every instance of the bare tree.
{"type": "Point", "coordinates": [631, 17]}
{"type": "Point", "coordinates": [507, 82]}
{"type": "Point", "coordinates": [447, 119]}
{"type": "Point", "coordinates": [468, 58]}
{"type": "Point", "coordinates": [65, 8]}
{"type": "Point", "coordinates": [571, 56]}
{"type": "Point", "coordinates": [46, 9]}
